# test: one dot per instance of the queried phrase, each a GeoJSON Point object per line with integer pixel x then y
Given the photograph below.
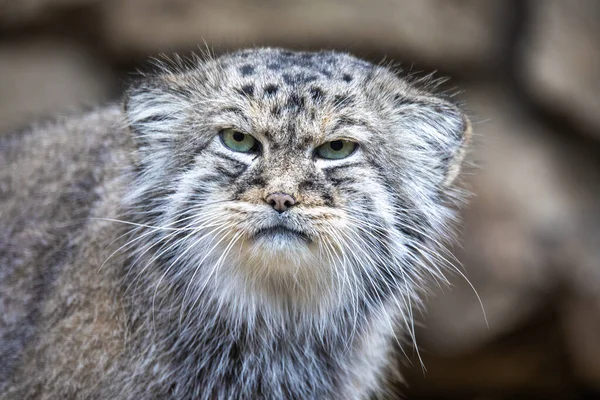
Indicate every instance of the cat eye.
{"type": "Point", "coordinates": [336, 149]}
{"type": "Point", "coordinates": [238, 141]}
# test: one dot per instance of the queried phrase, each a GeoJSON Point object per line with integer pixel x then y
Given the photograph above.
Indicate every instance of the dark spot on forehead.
{"type": "Point", "coordinates": [316, 93]}
{"type": "Point", "coordinates": [300, 77]}
{"type": "Point", "coordinates": [288, 78]}
{"type": "Point", "coordinates": [274, 66]}
{"type": "Point", "coordinates": [246, 70]}
{"type": "Point", "coordinates": [271, 89]}
{"type": "Point", "coordinates": [347, 77]}
{"type": "Point", "coordinates": [247, 90]}
{"type": "Point", "coordinates": [295, 102]}
{"type": "Point", "coordinates": [326, 72]}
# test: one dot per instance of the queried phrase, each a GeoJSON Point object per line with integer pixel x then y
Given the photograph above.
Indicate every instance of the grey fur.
{"type": "Point", "coordinates": [131, 264]}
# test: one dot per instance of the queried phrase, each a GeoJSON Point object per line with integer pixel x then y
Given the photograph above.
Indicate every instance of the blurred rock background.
{"type": "Point", "coordinates": [529, 74]}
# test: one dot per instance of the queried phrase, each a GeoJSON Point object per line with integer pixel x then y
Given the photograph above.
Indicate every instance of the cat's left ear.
{"type": "Point", "coordinates": [440, 133]}
{"type": "Point", "coordinates": [153, 111]}
{"type": "Point", "coordinates": [458, 131]}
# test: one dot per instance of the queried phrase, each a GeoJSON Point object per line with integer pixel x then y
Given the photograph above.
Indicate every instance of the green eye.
{"type": "Point", "coordinates": [336, 150]}
{"type": "Point", "coordinates": [238, 141]}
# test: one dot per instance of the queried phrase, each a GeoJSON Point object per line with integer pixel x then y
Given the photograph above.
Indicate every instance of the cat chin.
{"type": "Point", "coordinates": [285, 257]}
{"type": "Point", "coordinates": [280, 251]}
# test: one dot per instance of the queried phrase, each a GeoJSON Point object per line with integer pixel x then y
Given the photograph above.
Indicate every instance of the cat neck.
{"type": "Point", "coordinates": [228, 353]}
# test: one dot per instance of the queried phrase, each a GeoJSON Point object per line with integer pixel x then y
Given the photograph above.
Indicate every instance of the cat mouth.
{"type": "Point", "coordinates": [281, 232]}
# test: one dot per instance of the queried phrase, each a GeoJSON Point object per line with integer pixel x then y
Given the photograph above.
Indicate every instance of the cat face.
{"type": "Point", "coordinates": [293, 171]}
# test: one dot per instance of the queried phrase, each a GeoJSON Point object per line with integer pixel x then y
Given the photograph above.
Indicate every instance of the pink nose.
{"type": "Point", "coordinates": [280, 201]}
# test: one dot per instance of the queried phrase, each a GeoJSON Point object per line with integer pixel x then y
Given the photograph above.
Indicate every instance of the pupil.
{"type": "Point", "coordinates": [337, 145]}
{"type": "Point", "coordinates": [238, 137]}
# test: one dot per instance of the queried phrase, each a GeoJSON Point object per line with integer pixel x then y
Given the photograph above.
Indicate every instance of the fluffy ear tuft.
{"type": "Point", "coordinates": [153, 112]}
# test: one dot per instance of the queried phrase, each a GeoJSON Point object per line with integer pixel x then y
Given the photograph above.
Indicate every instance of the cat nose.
{"type": "Point", "coordinates": [280, 201]}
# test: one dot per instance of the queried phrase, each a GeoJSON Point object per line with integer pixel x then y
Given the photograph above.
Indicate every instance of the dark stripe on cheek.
{"type": "Point", "coordinates": [211, 178]}
{"type": "Point", "coordinates": [409, 222]}
{"type": "Point", "coordinates": [226, 172]}
{"type": "Point", "coordinates": [410, 232]}
{"type": "Point", "coordinates": [367, 203]}
{"type": "Point", "coordinates": [337, 181]}
{"type": "Point", "coordinates": [389, 276]}
{"type": "Point", "coordinates": [232, 169]}
{"type": "Point", "coordinates": [237, 163]}
{"type": "Point", "coordinates": [200, 191]}
{"type": "Point", "coordinates": [338, 167]}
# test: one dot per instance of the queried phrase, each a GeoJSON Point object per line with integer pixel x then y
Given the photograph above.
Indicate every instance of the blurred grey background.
{"type": "Point", "coordinates": [528, 72]}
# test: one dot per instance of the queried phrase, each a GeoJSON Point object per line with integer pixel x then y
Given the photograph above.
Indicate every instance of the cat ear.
{"type": "Point", "coordinates": [153, 112]}
{"type": "Point", "coordinates": [440, 132]}
{"type": "Point", "coordinates": [456, 130]}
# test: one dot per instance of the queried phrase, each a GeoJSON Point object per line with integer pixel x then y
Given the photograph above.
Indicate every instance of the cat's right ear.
{"type": "Point", "coordinates": [153, 112]}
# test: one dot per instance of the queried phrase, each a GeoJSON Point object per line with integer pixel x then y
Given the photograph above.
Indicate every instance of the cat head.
{"type": "Point", "coordinates": [304, 175]}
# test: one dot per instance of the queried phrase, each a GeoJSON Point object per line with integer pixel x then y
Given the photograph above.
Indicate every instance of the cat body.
{"type": "Point", "coordinates": [252, 226]}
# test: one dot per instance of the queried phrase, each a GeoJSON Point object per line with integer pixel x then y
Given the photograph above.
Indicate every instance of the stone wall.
{"type": "Point", "coordinates": [529, 75]}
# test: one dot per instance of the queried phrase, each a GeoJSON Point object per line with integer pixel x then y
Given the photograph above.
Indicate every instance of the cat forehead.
{"type": "Point", "coordinates": [289, 68]}
{"type": "Point", "coordinates": [277, 90]}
